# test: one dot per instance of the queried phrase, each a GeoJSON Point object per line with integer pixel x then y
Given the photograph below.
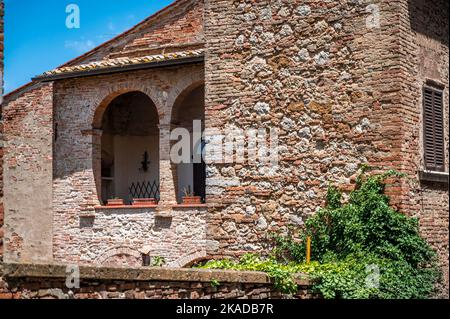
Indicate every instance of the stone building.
{"type": "Point", "coordinates": [344, 83]}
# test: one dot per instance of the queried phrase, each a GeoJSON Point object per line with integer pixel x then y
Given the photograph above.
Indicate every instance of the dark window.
{"type": "Point", "coordinates": [433, 129]}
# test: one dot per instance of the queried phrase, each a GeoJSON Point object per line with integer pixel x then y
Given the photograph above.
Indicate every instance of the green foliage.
{"type": "Point", "coordinates": [361, 249]}
{"type": "Point", "coordinates": [346, 238]}
{"type": "Point", "coordinates": [158, 261]}
{"type": "Point", "coordinates": [215, 283]}
{"type": "Point", "coordinates": [279, 273]}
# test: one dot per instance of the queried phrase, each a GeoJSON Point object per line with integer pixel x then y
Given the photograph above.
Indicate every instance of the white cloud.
{"type": "Point", "coordinates": [80, 46]}
{"type": "Point", "coordinates": [111, 26]}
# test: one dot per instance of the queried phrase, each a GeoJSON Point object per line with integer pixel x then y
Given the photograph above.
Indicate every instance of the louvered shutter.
{"type": "Point", "coordinates": [433, 128]}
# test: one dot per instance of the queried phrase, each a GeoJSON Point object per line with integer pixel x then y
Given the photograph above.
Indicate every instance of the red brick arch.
{"type": "Point", "coordinates": [101, 108]}
{"type": "Point", "coordinates": [110, 255]}
{"type": "Point", "coordinates": [97, 127]}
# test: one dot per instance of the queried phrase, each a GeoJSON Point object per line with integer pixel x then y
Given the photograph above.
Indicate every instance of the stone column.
{"type": "Point", "coordinates": [97, 162]}
{"type": "Point", "coordinates": [95, 135]}
{"type": "Point", "coordinates": [167, 171]}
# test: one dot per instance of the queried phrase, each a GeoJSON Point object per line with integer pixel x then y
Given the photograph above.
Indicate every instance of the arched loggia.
{"type": "Point", "coordinates": [127, 161]}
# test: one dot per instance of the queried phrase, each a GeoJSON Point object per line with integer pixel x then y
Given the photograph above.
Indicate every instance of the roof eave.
{"type": "Point", "coordinates": [120, 69]}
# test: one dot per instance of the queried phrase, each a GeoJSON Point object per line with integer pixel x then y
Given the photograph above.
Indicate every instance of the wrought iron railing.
{"type": "Point", "coordinates": [144, 190]}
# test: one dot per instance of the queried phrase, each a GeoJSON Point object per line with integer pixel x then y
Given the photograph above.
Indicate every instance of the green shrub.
{"type": "Point", "coordinates": [347, 238]}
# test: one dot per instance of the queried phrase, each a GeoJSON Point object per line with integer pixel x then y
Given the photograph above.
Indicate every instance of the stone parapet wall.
{"type": "Point", "coordinates": [49, 282]}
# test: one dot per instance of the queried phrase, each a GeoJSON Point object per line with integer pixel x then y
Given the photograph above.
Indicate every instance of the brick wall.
{"type": "Point", "coordinates": [176, 27]}
{"type": "Point", "coordinates": [424, 56]}
{"type": "Point", "coordinates": [85, 235]}
{"type": "Point", "coordinates": [28, 126]}
{"type": "Point", "coordinates": [68, 192]}
{"type": "Point", "coordinates": [1, 130]}
{"type": "Point", "coordinates": [49, 282]}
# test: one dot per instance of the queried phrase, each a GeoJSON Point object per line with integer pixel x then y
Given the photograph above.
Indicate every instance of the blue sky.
{"type": "Point", "coordinates": [37, 39]}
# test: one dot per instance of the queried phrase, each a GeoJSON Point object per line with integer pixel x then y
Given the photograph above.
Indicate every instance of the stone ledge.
{"type": "Point", "coordinates": [12, 270]}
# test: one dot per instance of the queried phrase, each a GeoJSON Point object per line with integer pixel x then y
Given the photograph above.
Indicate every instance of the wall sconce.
{"type": "Point", "coordinates": [145, 162]}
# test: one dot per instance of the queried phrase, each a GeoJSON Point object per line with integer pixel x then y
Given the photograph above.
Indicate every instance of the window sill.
{"type": "Point", "coordinates": [189, 206]}
{"type": "Point", "coordinates": [177, 206]}
{"type": "Point", "coordinates": [435, 177]}
{"type": "Point", "coordinates": [126, 207]}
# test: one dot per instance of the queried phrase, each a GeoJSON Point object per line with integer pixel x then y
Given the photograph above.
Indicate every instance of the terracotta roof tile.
{"type": "Point", "coordinates": [123, 61]}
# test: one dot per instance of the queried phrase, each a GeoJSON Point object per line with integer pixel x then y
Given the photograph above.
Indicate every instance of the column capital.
{"type": "Point", "coordinates": [164, 126]}
{"type": "Point", "coordinates": [92, 132]}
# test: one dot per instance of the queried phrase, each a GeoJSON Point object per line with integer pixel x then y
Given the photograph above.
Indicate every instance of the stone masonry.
{"type": "Point", "coordinates": [341, 81]}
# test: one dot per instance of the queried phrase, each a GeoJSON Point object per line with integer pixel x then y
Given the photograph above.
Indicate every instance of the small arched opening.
{"type": "Point", "coordinates": [189, 113]}
{"type": "Point", "coordinates": [129, 148]}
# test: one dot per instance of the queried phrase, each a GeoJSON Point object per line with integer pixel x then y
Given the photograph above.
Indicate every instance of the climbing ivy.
{"type": "Point", "coordinates": [279, 273]}
{"type": "Point", "coordinates": [362, 248]}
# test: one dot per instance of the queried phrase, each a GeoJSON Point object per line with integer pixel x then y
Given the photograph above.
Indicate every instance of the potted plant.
{"type": "Point", "coordinates": [115, 201]}
{"type": "Point", "coordinates": [189, 198]}
{"type": "Point", "coordinates": [144, 201]}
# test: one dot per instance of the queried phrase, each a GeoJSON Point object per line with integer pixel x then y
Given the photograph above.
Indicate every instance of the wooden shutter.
{"type": "Point", "coordinates": [433, 129]}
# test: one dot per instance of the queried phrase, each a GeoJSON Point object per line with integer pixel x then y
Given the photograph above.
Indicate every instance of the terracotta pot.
{"type": "Point", "coordinates": [144, 201]}
{"type": "Point", "coordinates": [189, 200]}
{"type": "Point", "coordinates": [115, 202]}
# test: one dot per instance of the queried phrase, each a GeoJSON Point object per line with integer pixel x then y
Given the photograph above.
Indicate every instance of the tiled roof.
{"type": "Point", "coordinates": [123, 62]}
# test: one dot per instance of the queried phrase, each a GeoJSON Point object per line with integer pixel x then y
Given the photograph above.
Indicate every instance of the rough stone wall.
{"type": "Point", "coordinates": [27, 176]}
{"type": "Point", "coordinates": [323, 76]}
{"type": "Point", "coordinates": [79, 106]}
{"type": "Point", "coordinates": [425, 56]}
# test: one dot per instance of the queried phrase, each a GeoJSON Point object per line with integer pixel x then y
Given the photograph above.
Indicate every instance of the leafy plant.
{"type": "Point", "coordinates": [187, 192]}
{"type": "Point", "coordinates": [158, 261]}
{"type": "Point", "coordinates": [215, 283]}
